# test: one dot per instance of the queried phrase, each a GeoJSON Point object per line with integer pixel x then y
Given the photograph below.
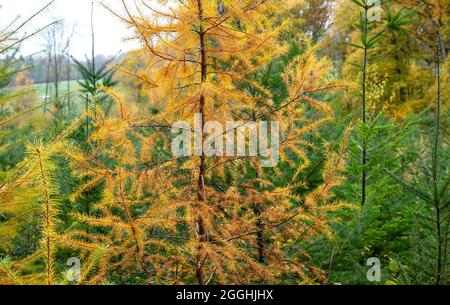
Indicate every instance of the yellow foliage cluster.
{"type": "Point", "coordinates": [405, 64]}
{"type": "Point", "coordinates": [195, 219]}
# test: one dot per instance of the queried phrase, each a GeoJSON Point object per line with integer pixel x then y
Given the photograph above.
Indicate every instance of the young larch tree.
{"type": "Point", "coordinates": [189, 217]}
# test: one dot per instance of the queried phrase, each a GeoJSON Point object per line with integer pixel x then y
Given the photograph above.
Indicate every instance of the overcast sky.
{"type": "Point", "coordinates": [110, 32]}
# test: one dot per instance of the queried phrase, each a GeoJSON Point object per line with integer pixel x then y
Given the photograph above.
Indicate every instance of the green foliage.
{"type": "Point", "coordinates": [383, 227]}
{"type": "Point", "coordinates": [95, 80]}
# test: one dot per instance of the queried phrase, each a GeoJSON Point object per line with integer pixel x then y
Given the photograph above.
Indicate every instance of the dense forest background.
{"type": "Point", "coordinates": [90, 192]}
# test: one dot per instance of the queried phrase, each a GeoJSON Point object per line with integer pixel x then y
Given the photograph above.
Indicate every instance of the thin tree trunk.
{"type": "Point", "coordinates": [47, 82]}
{"type": "Point", "coordinates": [48, 238]}
{"type": "Point", "coordinates": [260, 247]}
{"type": "Point", "coordinates": [364, 118]}
{"type": "Point", "coordinates": [201, 196]}
{"type": "Point", "coordinates": [93, 44]}
{"type": "Point", "coordinates": [259, 235]}
{"type": "Point", "coordinates": [87, 121]}
{"type": "Point", "coordinates": [87, 104]}
{"type": "Point", "coordinates": [56, 67]}
{"type": "Point", "coordinates": [68, 87]}
{"type": "Point", "coordinates": [436, 197]}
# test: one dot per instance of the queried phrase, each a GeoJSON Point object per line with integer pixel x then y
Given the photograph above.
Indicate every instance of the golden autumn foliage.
{"type": "Point", "coordinates": [403, 60]}
{"type": "Point", "coordinates": [202, 219]}
{"type": "Point", "coordinates": [106, 195]}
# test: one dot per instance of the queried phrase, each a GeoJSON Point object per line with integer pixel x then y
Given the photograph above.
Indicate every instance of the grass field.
{"type": "Point", "coordinates": [41, 88]}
